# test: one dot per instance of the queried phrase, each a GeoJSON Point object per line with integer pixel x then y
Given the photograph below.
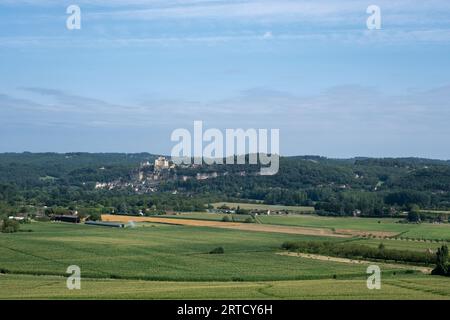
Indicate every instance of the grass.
{"type": "Point", "coordinates": [259, 206]}
{"type": "Point", "coordinates": [394, 287]}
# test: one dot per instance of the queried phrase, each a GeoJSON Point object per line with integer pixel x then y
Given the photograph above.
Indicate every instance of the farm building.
{"type": "Point", "coordinates": [16, 218]}
{"type": "Point", "coordinates": [66, 218]}
{"type": "Point", "coordinates": [105, 224]}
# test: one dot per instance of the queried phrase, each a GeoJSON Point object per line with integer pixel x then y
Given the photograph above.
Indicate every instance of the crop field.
{"type": "Point", "coordinates": [161, 252]}
{"type": "Point", "coordinates": [415, 231]}
{"type": "Point", "coordinates": [163, 261]}
{"type": "Point", "coordinates": [260, 206]}
{"type": "Point", "coordinates": [53, 287]}
{"type": "Point", "coordinates": [401, 244]}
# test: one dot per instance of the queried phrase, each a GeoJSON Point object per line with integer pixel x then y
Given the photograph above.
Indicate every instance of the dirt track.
{"type": "Point", "coordinates": [353, 261]}
{"type": "Point", "coordinates": [229, 225]}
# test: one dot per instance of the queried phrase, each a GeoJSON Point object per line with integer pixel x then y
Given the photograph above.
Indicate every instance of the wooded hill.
{"type": "Point", "coordinates": [363, 186]}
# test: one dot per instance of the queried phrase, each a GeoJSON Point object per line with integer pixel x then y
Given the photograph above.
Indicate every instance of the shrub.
{"type": "Point", "coordinates": [218, 250]}
{"type": "Point", "coordinates": [95, 216]}
{"type": "Point", "coordinates": [239, 210]}
{"type": "Point", "coordinates": [442, 267]}
{"type": "Point", "coordinates": [9, 226]}
{"type": "Point", "coordinates": [226, 219]}
{"type": "Point", "coordinates": [289, 245]}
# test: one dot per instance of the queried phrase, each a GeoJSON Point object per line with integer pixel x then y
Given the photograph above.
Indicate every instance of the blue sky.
{"type": "Point", "coordinates": [139, 69]}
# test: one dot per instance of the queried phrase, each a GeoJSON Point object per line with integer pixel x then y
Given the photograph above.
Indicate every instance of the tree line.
{"type": "Point", "coordinates": [363, 186]}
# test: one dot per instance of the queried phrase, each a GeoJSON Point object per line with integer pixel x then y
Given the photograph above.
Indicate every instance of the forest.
{"type": "Point", "coordinates": [340, 187]}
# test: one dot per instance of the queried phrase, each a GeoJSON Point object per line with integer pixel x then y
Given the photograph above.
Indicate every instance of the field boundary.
{"type": "Point", "coordinates": [425, 270]}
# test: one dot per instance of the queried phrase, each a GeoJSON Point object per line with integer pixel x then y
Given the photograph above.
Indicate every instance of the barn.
{"type": "Point", "coordinates": [105, 224]}
{"type": "Point", "coordinates": [66, 218]}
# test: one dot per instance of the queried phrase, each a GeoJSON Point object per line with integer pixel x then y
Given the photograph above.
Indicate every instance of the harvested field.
{"type": "Point", "coordinates": [361, 233]}
{"type": "Point", "coordinates": [230, 225]}
{"type": "Point", "coordinates": [285, 229]}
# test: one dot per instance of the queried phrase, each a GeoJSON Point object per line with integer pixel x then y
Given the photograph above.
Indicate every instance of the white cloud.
{"type": "Point", "coordinates": [341, 121]}
{"type": "Point", "coordinates": [268, 35]}
{"type": "Point", "coordinates": [351, 36]}
{"type": "Point", "coordinates": [209, 22]}
{"type": "Point", "coordinates": [348, 106]}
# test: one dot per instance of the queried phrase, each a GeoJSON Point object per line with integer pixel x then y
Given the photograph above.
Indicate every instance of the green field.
{"type": "Point", "coordinates": [407, 230]}
{"type": "Point", "coordinates": [169, 261]}
{"type": "Point", "coordinates": [51, 287]}
{"type": "Point", "coordinates": [427, 231]}
{"type": "Point", "coordinates": [400, 244]}
{"type": "Point", "coordinates": [260, 206]}
{"type": "Point", "coordinates": [160, 252]}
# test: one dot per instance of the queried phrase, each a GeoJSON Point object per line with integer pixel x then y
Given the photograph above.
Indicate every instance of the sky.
{"type": "Point", "coordinates": [137, 70]}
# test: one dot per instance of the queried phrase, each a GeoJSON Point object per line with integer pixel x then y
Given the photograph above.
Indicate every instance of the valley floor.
{"type": "Point", "coordinates": [168, 261]}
